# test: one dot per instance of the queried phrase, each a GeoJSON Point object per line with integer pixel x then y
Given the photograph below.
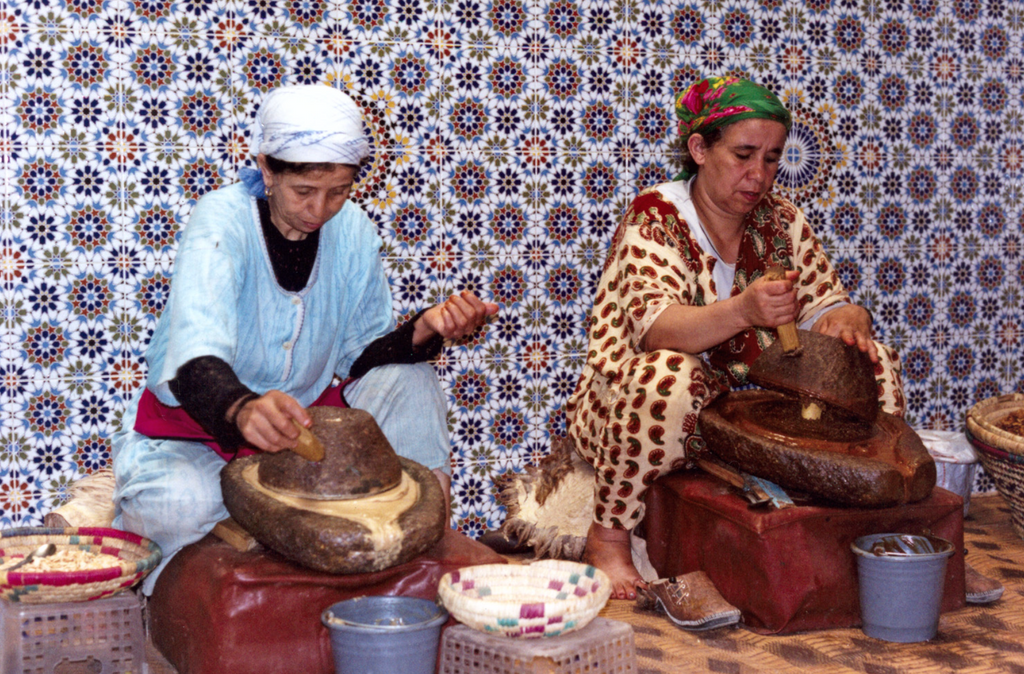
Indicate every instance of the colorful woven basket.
{"type": "Point", "coordinates": [136, 557]}
{"type": "Point", "coordinates": [543, 599]}
{"type": "Point", "coordinates": [1001, 452]}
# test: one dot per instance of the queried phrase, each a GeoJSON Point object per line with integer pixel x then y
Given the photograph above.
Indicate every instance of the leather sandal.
{"type": "Point", "coordinates": [692, 602]}
{"type": "Point", "coordinates": [981, 589]}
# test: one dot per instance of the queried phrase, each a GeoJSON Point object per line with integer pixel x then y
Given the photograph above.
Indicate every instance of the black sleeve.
{"type": "Point", "coordinates": [396, 347]}
{"type": "Point", "coordinates": [207, 387]}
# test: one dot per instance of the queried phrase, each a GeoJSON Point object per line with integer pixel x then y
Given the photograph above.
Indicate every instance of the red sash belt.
{"type": "Point", "coordinates": [156, 420]}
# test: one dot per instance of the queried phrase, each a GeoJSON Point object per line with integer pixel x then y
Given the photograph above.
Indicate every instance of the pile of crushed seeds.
{"type": "Point", "coordinates": [1013, 423]}
{"type": "Point", "coordinates": [67, 559]}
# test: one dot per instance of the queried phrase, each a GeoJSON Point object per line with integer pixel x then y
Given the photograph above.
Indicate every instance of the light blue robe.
{"type": "Point", "coordinates": [225, 302]}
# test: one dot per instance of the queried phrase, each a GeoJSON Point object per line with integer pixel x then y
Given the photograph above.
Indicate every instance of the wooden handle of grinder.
{"type": "Point", "coordinates": [307, 446]}
{"type": "Point", "coordinates": [787, 332]}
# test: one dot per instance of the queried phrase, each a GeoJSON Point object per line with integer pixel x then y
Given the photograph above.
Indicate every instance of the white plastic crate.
{"type": "Point", "coordinates": [104, 636]}
{"type": "Point", "coordinates": [602, 647]}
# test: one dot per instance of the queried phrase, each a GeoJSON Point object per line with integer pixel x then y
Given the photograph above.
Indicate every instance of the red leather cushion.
{"type": "Point", "coordinates": [786, 570]}
{"type": "Point", "coordinates": [216, 610]}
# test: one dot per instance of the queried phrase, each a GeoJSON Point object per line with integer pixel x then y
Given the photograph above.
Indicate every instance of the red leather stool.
{"type": "Point", "coordinates": [216, 610]}
{"type": "Point", "coordinates": [786, 570]}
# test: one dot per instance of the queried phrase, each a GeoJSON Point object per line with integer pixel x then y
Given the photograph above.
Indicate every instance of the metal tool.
{"type": "Point", "coordinates": [40, 552]}
{"type": "Point", "coordinates": [750, 490]}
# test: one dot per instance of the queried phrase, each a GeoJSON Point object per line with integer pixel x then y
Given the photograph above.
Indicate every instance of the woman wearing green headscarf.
{"type": "Point", "coordinates": [684, 307]}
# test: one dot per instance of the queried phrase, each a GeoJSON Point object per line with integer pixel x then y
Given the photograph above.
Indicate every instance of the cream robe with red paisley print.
{"type": "Point", "coordinates": [633, 415]}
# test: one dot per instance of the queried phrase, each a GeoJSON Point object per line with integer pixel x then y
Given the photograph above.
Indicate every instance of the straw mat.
{"type": "Point", "coordinates": [973, 640]}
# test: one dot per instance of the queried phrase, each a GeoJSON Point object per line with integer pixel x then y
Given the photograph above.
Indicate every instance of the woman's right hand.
{"type": "Point", "coordinates": [769, 304]}
{"type": "Point", "coordinates": [266, 422]}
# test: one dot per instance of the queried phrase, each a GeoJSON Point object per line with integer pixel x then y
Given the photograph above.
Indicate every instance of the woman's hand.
{"type": "Point", "coordinates": [852, 324]}
{"type": "Point", "coordinates": [266, 422]}
{"type": "Point", "coordinates": [456, 317]}
{"type": "Point", "coordinates": [695, 329]}
{"type": "Point", "coordinates": [769, 304]}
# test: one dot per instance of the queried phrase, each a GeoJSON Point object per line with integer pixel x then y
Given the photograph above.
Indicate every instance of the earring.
{"type": "Point", "coordinates": [266, 190]}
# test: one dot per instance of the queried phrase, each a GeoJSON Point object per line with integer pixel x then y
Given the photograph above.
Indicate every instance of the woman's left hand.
{"type": "Point", "coordinates": [852, 324]}
{"type": "Point", "coordinates": [456, 317]}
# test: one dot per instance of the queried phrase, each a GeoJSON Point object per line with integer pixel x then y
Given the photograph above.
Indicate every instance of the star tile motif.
{"type": "Point", "coordinates": [508, 138]}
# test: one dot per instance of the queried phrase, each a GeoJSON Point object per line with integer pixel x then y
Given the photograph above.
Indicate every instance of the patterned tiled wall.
{"type": "Point", "coordinates": [509, 138]}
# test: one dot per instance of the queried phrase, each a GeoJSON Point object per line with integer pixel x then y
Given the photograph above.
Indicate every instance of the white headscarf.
{"type": "Point", "coordinates": [311, 123]}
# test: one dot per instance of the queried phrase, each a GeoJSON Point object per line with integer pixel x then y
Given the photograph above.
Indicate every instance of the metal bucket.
{"type": "Point", "coordinates": [383, 635]}
{"type": "Point", "coordinates": [901, 583]}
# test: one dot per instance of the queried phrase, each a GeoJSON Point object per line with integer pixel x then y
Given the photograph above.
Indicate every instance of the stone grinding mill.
{"type": "Point", "coordinates": [360, 509]}
{"type": "Point", "coordinates": [815, 426]}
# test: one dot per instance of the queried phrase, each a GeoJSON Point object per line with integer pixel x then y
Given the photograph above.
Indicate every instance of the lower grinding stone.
{"type": "Point", "coordinates": [859, 463]}
{"type": "Point", "coordinates": [334, 544]}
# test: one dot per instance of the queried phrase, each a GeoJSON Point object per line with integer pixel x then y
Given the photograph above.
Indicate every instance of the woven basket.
{"type": "Point", "coordinates": [543, 599]}
{"type": "Point", "coordinates": [137, 557]}
{"type": "Point", "coordinates": [1001, 452]}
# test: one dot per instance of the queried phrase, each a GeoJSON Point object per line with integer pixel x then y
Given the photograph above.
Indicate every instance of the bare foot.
{"type": "Point", "coordinates": [609, 550]}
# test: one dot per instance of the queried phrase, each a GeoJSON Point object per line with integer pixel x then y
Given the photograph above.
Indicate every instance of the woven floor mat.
{"type": "Point", "coordinates": [976, 639]}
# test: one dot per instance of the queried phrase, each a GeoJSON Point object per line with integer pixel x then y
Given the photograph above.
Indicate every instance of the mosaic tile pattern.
{"type": "Point", "coordinates": [509, 137]}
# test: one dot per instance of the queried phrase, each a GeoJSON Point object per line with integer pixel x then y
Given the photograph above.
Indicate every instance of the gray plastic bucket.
{"type": "Point", "coordinates": [384, 635]}
{"type": "Point", "coordinates": [901, 582]}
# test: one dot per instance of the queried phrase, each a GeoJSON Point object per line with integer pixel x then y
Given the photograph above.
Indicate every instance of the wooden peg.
{"type": "Point", "coordinates": [307, 446]}
{"type": "Point", "coordinates": [787, 332]}
{"type": "Point", "coordinates": [232, 533]}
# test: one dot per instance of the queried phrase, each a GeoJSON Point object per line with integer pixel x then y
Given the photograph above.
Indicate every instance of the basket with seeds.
{"type": "Point", "coordinates": [40, 565]}
{"type": "Point", "coordinates": [995, 426]}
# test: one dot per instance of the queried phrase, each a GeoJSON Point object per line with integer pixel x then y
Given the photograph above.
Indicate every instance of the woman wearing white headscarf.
{"type": "Point", "coordinates": [278, 287]}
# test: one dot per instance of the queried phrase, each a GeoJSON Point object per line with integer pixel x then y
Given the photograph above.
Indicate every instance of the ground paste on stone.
{"type": "Point", "coordinates": [378, 513]}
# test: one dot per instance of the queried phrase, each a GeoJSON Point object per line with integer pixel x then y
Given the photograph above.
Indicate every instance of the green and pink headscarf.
{"type": "Point", "coordinates": [715, 102]}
